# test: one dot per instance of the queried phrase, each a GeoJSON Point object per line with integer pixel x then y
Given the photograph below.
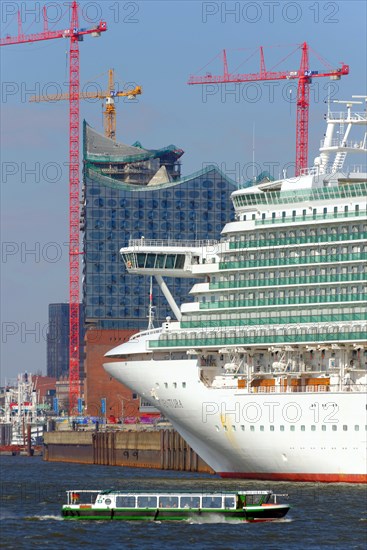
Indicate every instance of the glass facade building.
{"type": "Point", "coordinates": [188, 208]}
{"type": "Point", "coordinates": [58, 340]}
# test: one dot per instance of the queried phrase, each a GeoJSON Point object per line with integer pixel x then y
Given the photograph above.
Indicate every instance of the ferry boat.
{"type": "Point", "coordinates": [252, 506]}
{"type": "Point", "coordinates": [264, 372]}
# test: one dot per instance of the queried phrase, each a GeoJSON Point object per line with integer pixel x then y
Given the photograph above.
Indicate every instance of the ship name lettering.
{"type": "Point", "coordinates": [172, 403]}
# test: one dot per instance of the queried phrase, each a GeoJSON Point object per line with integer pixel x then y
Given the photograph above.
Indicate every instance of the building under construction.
{"type": "Point", "coordinates": [130, 163]}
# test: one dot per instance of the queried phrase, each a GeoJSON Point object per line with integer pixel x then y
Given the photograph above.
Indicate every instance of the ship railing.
{"type": "Point", "coordinates": [146, 333]}
{"type": "Point", "coordinates": [343, 143]}
{"type": "Point", "coordinates": [313, 388]}
{"type": "Point", "coordinates": [171, 243]}
{"type": "Point", "coordinates": [356, 169]}
{"type": "Point", "coordinates": [358, 116]}
{"type": "Point", "coordinates": [310, 388]}
{"type": "Point", "coordinates": [361, 388]}
{"type": "Point", "coordinates": [328, 170]}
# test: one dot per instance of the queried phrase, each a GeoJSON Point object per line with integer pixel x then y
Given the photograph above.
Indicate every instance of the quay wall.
{"type": "Point", "coordinates": [163, 449]}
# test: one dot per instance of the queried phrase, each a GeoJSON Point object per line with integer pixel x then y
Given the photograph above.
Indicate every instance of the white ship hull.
{"type": "Point", "coordinates": [264, 373]}
{"type": "Point", "coordinates": [280, 436]}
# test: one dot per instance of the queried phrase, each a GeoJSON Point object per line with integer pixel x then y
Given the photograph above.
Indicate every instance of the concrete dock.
{"type": "Point", "coordinates": [163, 449]}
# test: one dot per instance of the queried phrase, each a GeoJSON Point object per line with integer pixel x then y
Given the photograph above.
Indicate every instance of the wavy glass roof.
{"type": "Point", "coordinates": [98, 148]}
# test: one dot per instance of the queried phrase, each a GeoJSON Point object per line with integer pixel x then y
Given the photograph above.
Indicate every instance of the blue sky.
{"type": "Point", "coordinates": [156, 45]}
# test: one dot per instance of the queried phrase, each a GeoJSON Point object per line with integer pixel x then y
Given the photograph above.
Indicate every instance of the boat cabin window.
{"type": "Point", "coordinates": [125, 501]}
{"type": "Point", "coordinates": [212, 502]}
{"type": "Point", "coordinates": [168, 502]}
{"type": "Point", "coordinates": [229, 502]}
{"type": "Point", "coordinates": [147, 502]}
{"type": "Point", "coordinates": [170, 261]}
{"type": "Point", "coordinates": [190, 502]}
{"type": "Point", "coordinates": [257, 499]}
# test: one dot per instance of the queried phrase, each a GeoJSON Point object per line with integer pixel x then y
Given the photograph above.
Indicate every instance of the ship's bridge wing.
{"type": "Point", "coordinates": [169, 258]}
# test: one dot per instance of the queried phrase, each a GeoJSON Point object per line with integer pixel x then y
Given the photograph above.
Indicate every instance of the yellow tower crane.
{"type": "Point", "coordinates": [109, 95]}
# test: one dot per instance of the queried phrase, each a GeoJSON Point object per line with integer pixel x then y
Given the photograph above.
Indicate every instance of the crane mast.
{"type": "Point", "coordinates": [74, 217]}
{"type": "Point", "coordinates": [109, 112]}
{"type": "Point", "coordinates": [303, 103]}
{"type": "Point", "coordinates": [75, 35]}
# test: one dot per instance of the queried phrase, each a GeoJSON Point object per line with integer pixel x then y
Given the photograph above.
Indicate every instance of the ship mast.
{"type": "Point", "coordinates": [341, 145]}
{"type": "Point", "coordinates": [151, 307]}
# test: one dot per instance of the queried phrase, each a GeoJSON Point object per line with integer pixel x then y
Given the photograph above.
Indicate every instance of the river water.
{"type": "Point", "coordinates": [32, 492]}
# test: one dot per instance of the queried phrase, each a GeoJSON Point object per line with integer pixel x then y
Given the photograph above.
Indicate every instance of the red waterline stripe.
{"type": "Point", "coordinates": [324, 478]}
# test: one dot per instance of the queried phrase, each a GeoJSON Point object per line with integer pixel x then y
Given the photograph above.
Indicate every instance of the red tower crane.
{"type": "Point", "coordinates": [304, 77]}
{"type": "Point", "coordinates": [75, 34]}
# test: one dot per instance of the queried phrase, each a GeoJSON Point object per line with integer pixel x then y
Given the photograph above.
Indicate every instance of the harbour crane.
{"type": "Point", "coordinates": [108, 95]}
{"type": "Point", "coordinates": [75, 34]}
{"type": "Point", "coordinates": [304, 76]}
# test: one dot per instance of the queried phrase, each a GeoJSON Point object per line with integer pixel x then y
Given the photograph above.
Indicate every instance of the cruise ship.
{"type": "Point", "coordinates": [264, 371]}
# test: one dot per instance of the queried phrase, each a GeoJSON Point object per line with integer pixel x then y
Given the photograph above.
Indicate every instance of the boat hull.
{"type": "Point", "coordinates": [309, 436]}
{"type": "Point", "coordinates": [302, 476]}
{"type": "Point", "coordinates": [252, 514]}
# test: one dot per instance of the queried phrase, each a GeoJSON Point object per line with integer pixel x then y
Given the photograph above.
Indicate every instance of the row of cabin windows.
{"type": "Point", "coordinates": [281, 274]}
{"type": "Point", "coordinates": [292, 428]}
{"type": "Point", "coordinates": [174, 385]}
{"type": "Point", "coordinates": [128, 501]}
{"type": "Point", "coordinates": [309, 292]}
{"type": "Point", "coordinates": [313, 231]}
{"type": "Point", "coordinates": [327, 251]}
{"type": "Point", "coordinates": [309, 272]}
{"type": "Point", "coordinates": [304, 212]}
{"type": "Point", "coordinates": [322, 310]}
